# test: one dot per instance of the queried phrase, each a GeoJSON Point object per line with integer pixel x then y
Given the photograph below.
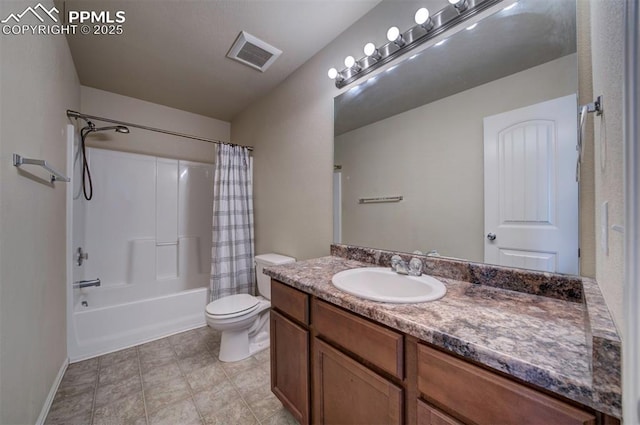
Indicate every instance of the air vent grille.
{"type": "Point", "coordinates": [253, 52]}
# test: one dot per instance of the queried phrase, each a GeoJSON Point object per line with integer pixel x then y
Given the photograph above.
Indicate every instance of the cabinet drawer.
{"type": "Point", "coordinates": [290, 301]}
{"type": "Point", "coordinates": [482, 397]}
{"type": "Point", "coordinates": [373, 343]}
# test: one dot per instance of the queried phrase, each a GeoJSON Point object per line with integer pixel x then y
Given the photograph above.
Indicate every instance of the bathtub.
{"type": "Point", "coordinates": [112, 318]}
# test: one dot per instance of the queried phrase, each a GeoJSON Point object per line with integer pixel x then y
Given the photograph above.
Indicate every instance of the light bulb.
{"type": "Point", "coordinates": [369, 49]}
{"type": "Point", "coordinates": [349, 61]}
{"type": "Point", "coordinates": [393, 33]}
{"type": "Point", "coordinates": [460, 5]}
{"type": "Point", "coordinates": [333, 73]}
{"type": "Point", "coordinates": [422, 16]}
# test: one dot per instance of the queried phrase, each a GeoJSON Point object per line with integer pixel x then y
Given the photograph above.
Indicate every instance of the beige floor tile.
{"type": "Point", "coordinates": [225, 393]}
{"type": "Point", "coordinates": [198, 361]}
{"type": "Point", "coordinates": [191, 348]}
{"type": "Point", "coordinates": [72, 385]}
{"type": "Point", "coordinates": [235, 368]}
{"type": "Point", "coordinates": [72, 390]}
{"type": "Point", "coordinates": [183, 413]}
{"type": "Point", "coordinates": [108, 393]}
{"type": "Point", "coordinates": [76, 409]}
{"type": "Point", "coordinates": [187, 337]}
{"type": "Point", "coordinates": [251, 380]}
{"type": "Point", "coordinates": [161, 373]}
{"type": "Point", "coordinates": [262, 402]}
{"type": "Point", "coordinates": [263, 356]}
{"type": "Point", "coordinates": [118, 371]}
{"type": "Point", "coordinates": [235, 412]}
{"type": "Point", "coordinates": [157, 359]}
{"type": "Point", "coordinates": [125, 410]}
{"type": "Point", "coordinates": [206, 377]}
{"type": "Point", "coordinates": [84, 366]}
{"type": "Point", "coordinates": [165, 393]}
{"type": "Point", "coordinates": [82, 372]}
{"type": "Point", "coordinates": [282, 417]}
{"type": "Point", "coordinates": [216, 398]}
{"type": "Point", "coordinates": [153, 345]}
{"type": "Point", "coordinates": [118, 356]}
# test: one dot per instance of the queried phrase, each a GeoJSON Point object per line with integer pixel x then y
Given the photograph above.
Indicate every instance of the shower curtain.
{"type": "Point", "coordinates": [232, 269]}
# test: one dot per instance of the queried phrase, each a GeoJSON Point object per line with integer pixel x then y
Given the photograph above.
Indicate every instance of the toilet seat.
{"type": "Point", "coordinates": [232, 306]}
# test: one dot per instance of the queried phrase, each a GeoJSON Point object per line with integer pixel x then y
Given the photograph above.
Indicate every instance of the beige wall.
{"type": "Point", "coordinates": [607, 41]}
{"type": "Point", "coordinates": [438, 169]}
{"type": "Point", "coordinates": [38, 83]}
{"type": "Point", "coordinates": [292, 130]}
{"type": "Point", "coordinates": [110, 105]}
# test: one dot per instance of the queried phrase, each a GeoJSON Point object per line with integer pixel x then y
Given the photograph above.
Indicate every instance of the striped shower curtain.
{"type": "Point", "coordinates": [232, 251]}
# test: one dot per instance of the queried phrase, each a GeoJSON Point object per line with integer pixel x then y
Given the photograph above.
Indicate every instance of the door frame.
{"type": "Point", "coordinates": [631, 302]}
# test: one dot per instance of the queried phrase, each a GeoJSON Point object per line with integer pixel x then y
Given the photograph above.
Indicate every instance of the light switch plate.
{"type": "Point", "coordinates": [604, 227]}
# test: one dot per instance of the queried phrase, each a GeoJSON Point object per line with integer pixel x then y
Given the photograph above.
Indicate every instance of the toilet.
{"type": "Point", "coordinates": [242, 318]}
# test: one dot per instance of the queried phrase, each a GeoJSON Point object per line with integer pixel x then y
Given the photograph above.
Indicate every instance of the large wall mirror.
{"type": "Point", "coordinates": [417, 131]}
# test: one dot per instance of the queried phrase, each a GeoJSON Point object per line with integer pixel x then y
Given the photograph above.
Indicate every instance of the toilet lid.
{"type": "Point", "coordinates": [233, 305]}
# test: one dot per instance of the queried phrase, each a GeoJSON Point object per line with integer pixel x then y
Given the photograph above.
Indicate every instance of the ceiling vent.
{"type": "Point", "coordinates": [253, 52]}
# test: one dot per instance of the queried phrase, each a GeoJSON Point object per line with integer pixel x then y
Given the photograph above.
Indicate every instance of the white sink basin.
{"type": "Point", "coordinates": [383, 284]}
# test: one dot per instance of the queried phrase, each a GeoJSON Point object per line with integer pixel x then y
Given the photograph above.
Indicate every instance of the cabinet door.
{"type": "Point", "coordinates": [346, 392]}
{"type": "Point", "coordinates": [428, 415]}
{"type": "Point", "coordinates": [290, 365]}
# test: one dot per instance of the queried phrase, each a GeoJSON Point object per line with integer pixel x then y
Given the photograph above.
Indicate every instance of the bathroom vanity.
{"type": "Point", "coordinates": [482, 354]}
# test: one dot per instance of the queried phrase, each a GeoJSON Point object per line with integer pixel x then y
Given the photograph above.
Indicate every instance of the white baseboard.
{"type": "Point", "coordinates": [52, 393]}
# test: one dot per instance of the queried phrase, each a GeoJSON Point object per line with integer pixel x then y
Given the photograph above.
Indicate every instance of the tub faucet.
{"type": "Point", "coordinates": [86, 283]}
{"type": "Point", "coordinates": [414, 268]}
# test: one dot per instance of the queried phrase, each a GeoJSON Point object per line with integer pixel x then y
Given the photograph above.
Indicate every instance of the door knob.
{"type": "Point", "coordinates": [491, 236]}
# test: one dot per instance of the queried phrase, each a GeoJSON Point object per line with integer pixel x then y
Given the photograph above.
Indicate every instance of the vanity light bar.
{"type": "Point", "coordinates": [400, 43]}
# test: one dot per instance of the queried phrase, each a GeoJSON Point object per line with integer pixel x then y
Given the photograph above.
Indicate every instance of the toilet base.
{"type": "Point", "coordinates": [236, 345]}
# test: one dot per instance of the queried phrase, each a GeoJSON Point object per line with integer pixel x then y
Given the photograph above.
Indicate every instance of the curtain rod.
{"type": "Point", "coordinates": [76, 115]}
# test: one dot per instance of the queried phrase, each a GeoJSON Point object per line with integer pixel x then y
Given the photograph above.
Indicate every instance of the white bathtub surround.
{"type": "Point", "coordinates": [232, 250]}
{"type": "Point", "coordinates": [106, 328]}
{"type": "Point", "coordinates": [147, 231]}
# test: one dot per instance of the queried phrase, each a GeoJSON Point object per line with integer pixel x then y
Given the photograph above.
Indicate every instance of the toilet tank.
{"type": "Point", "coordinates": [266, 260]}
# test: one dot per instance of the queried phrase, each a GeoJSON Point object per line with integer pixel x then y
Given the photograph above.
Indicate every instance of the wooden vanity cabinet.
{"type": "Point", "coordinates": [290, 349]}
{"type": "Point", "coordinates": [362, 372]}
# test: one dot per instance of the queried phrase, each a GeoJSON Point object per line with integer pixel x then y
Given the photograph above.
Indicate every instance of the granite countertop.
{"type": "Point", "coordinates": [541, 340]}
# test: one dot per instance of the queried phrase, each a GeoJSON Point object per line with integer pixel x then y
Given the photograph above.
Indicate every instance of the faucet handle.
{"type": "Point", "coordinates": [396, 260]}
{"type": "Point", "coordinates": [415, 267]}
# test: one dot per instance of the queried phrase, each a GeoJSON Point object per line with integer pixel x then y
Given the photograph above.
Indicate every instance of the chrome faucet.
{"type": "Point", "coordinates": [86, 283]}
{"type": "Point", "coordinates": [414, 268]}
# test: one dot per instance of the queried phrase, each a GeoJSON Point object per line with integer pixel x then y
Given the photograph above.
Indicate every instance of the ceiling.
{"type": "Point", "coordinates": [173, 52]}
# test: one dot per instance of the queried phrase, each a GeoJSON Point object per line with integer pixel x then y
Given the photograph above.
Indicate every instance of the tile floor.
{"type": "Point", "coordinates": [176, 380]}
